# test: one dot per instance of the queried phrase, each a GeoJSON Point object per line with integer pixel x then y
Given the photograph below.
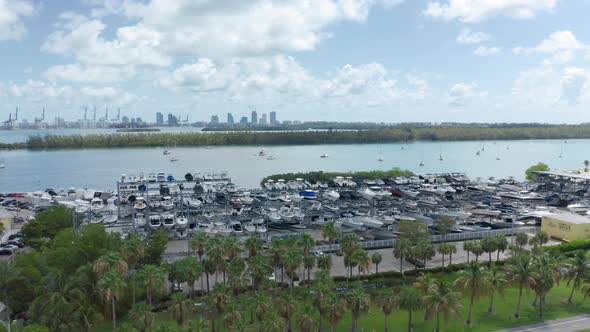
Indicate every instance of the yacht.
{"type": "Point", "coordinates": [206, 228]}
{"type": "Point", "coordinates": [367, 193]}
{"type": "Point", "coordinates": [161, 177]}
{"type": "Point", "coordinates": [96, 205]}
{"type": "Point", "coordinates": [154, 204]}
{"type": "Point", "coordinates": [152, 177]}
{"type": "Point", "coordinates": [167, 203]}
{"type": "Point", "coordinates": [236, 227]}
{"type": "Point", "coordinates": [194, 202]}
{"type": "Point", "coordinates": [285, 213]}
{"type": "Point", "coordinates": [96, 219]}
{"type": "Point", "coordinates": [308, 194]}
{"type": "Point", "coordinates": [261, 153]}
{"type": "Point", "coordinates": [249, 227]}
{"type": "Point", "coordinates": [223, 229]}
{"type": "Point", "coordinates": [297, 198]}
{"type": "Point", "coordinates": [340, 181]}
{"type": "Point", "coordinates": [349, 182]}
{"type": "Point", "coordinates": [139, 204]}
{"type": "Point", "coordinates": [353, 223]}
{"type": "Point", "coordinates": [82, 206]}
{"type": "Point", "coordinates": [154, 220]}
{"type": "Point", "coordinates": [409, 192]}
{"type": "Point", "coordinates": [181, 233]}
{"type": "Point", "coordinates": [273, 215]}
{"type": "Point", "coordinates": [139, 220]}
{"type": "Point", "coordinates": [370, 222]}
{"type": "Point", "coordinates": [168, 220]}
{"type": "Point", "coordinates": [181, 220]}
{"type": "Point", "coordinates": [285, 197]}
{"type": "Point", "coordinates": [325, 155]}
{"type": "Point", "coordinates": [110, 219]}
{"type": "Point", "coordinates": [298, 214]}
{"type": "Point", "coordinates": [380, 158]}
{"type": "Point", "coordinates": [246, 199]}
{"type": "Point", "coordinates": [581, 206]}
{"type": "Point", "coordinates": [331, 195]}
{"type": "Point", "coordinates": [259, 224]}
{"type": "Point", "coordinates": [421, 163]}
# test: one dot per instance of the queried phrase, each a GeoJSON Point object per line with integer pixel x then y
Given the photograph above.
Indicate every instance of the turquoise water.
{"type": "Point", "coordinates": [100, 168]}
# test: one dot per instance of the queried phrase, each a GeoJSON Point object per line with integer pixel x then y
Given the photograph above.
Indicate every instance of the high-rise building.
{"type": "Point", "coordinates": [263, 119]}
{"type": "Point", "coordinates": [172, 120]}
{"type": "Point", "coordinates": [254, 118]}
{"type": "Point", "coordinates": [125, 119]}
{"type": "Point", "coordinates": [159, 119]}
{"type": "Point", "coordinates": [244, 120]}
{"type": "Point", "coordinates": [214, 119]}
{"type": "Point", "coordinates": [273, 118]}
{"type": "Point", "coordinates": [230, 118]}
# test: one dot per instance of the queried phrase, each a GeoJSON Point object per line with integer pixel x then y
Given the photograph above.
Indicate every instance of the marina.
{"type": "Point", "coordinates": [210, 202]}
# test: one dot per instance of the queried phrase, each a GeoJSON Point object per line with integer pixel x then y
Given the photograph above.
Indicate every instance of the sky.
{"type": "Point", "coordinates": [312, 60]}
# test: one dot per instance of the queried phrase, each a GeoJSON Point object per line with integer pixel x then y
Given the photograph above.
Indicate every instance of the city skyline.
{"type": "Point", "coordinates": [354, 60]}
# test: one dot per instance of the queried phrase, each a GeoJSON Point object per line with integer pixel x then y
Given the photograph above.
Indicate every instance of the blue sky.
{"type": "Point", "coordinates": [343, 60]}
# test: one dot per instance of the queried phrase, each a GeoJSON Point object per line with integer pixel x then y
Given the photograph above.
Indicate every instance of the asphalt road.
{"type": "Point", "coordinates": [571, 324]}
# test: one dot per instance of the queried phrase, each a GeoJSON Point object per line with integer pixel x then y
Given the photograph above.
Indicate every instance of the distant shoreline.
{"type": "Point", "coordinates": [318, 137]}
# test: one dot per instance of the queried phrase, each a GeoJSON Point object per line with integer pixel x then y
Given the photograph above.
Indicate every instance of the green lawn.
{"type": "Point", "coordinates": [482, 321]}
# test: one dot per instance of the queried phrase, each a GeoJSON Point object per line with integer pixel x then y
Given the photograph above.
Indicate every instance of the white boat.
{"type": "Point", "coordinates": [167, 203]}
{"type": "Point", "coordinates": [249, 227]}
{"type": "Point", "coordinates": [316, 206]}
{"type": "Point", "coordinates": [332, 208]}
{"type": "Point", "coordinates": [181, 220]}
{"type": "Point", "coordinates": [223, 229]}
{"type": "Point", "coordinates": [110, 219]}
{"type": "Point", "coordinates": [173, 159]}
{"type": "Point", "coordinates": [2, 164]}
{"type": "Point", "coordinates": [181, 233]}
{"type": "Point", "coordinates": [459, 214]}
{"type": "Point", "coordinates": [367, 193]}
{"type": "Point", "coordinates": [340, 181]}
{"type": "Point", "coordinates": [96, 205]}
{"type": "Point", "coordinates": [206, 228]}
{"type": "Point", "coordinates": [409, 192]}
{"type": "Point", "coordinates": [246, 199]}
{"type": "Point", "coordinates": [370, 222]}
{"type": "Point", "coordinates": [286, 213]}
{"type": "Point", "coordinates": [262, 152]}
{"type": "Point", "coordinates": [331, 195]}
{"type": "Point", "coordinates": [580, 207]}
{"type": "Point", "coordinates": [82, 206]}
{"type": "Point", "coordinates": [297, 198]}
{"type": "Point", "coordinates": [155, 221]}
{"type": "Point", "coordinates": [298, 214]}
{"type": "Point", "coordinates": [271, 157]}
{"type": "Point", "coordinates": [193, 202]}
{"type": "Point", "coordinates": [139, 204]}
{"type": "Point", "coordinates": [152, 177]}
{"type": "Point", "coordinates": [236, 227]}
{"type": "Point", "coordinates": [285, 197]}
{"type": "Point", "coordinates": [380, 158]}
{"type": "Point", "coordinates": [168, 220]}
{"type": "Point", "coordinates": [349, 182]}
{"type": "Point", "coordinates": [273, 215]}
{"type": "Point", "coordinates": [154, 204]}
{"type": "Point", "coordinates": [324, 155]}
{"type": "Point", "coordinates": [161, 177]}
{"type": "Point", "coordinates": [139, 220]}
{"type": "Point", "coordinates": [353, 223]}
{"type": "Point", "coordinates": [96, 219]}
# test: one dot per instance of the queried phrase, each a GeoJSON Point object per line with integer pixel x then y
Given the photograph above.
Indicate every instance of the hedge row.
{"type": "Point", "coordinates": [581, 244]}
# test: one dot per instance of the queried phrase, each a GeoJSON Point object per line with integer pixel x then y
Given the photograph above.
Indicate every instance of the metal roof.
{"type": "Point", "coordinates": [569, 217]}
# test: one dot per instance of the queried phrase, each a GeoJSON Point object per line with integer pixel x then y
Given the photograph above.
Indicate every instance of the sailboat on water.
{"type": "Point", "coordinates": [2, 164]}
{"type": "Point", "coordinates": [561, 151]}
{"type": "Point", "coordinates": [440, 156]}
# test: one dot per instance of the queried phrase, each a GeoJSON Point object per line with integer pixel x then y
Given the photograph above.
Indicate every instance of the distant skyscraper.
{"type": "Point", "coordinates": [172, 120]}
{"type": "Point", "coordinates": [159, 119]}
{"type": "Point", "coordinates": [244, 120]}
{"type": "Point", "coordinates": [214, 119]}
{"type": "Point", "coordinates": [125, 119]}
{"type": "Point", "coordinates": [254, 118]}
{"type": "Point", "coordinates": [230, 118]}
{"type": "Point", "coordinates": [263, 119]}
{"type": "Point", "coordinates": [273, 118]}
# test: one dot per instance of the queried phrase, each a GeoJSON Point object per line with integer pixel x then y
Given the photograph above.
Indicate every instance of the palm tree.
{"type": "Point", "coordinates": [199, 243]}
{"type": "Point", "coordinates": [108, 262]}
{"type": "Point", "coordinates": [309, 262]}
{"type": "Point", "coordinates": [358, 302]}
{"type": "Point", "coordinates": [272, 322]}
{"type": "Point", "coordinates": [262, 306]}
{"type": "Point", "coordinates": [258, 268]}
{"type": "Point", "coordinates": [425, 250]}
{"type": "Point", "coordinates": [180, 307]}
{"type": "Point", "coordinates": [237, 279]}
{"type": "Point", "coordinates": [233, 317]}
{"type": "Point", "coordinates": [501, 245]}
{"type": "Point", "coordinates": [188, 269]}
{"type": "Point", "coordinates": [578, 270]}
{"type": "Point", "coordinates": [472, 281]}
{"type": "Point", "coordinates": [287, 306]}
{"type": "Point", "coordinates": [424, 282]}
{"type": "Point", "coordinates": [253, 245]}
{"type": "Point", "coordinates": [376, 259]}
{"type": "Point", "coordinates": [198, 324]}
{"type": "Point", "coordinates": [411, 301]}
{"type": "Point", "coordinates": [495, 279]}
{"type": "Point", "coordinates": [133, 251]}
{"type": "Point", "coordinates": [521, 239]}
{"type": "Point", "coordinates": [467, 245]}
{"type": "Point", "coordinates": [488, 245]}
{"type": "Point", "coordinates": [165, 327]}
{"type": "Point", "coordinates": [322, 292]}
{"type": "Point", "coordinates": [209, 268]}
{"type": "Point", "coordinates": [334, 308]}
{"type": "Point", "coordinates": [142, 316]}
{"type": "Point", "coordinates": [452, 250]}
{"type": "Point", "coordinates": [278, 250]}
{"type": "Point", "coordinates": [307, 320]}
{"type": "Point", "coordinates": [361, 258]}
{"type": "Point", "coordinates": [293, 260]}
{"type": "Point", "coordinates": [111, 286]}
{"type": "Point", "coordinates": [477, 249]}
{"type": "Point", "coordinates": [220, 299]}
{"type": "Point", "coordinates": [330, 231]}
{"type": "Point", "coordinates": [401, 250]}
{"type": "Point", "coordinates": [231, 247]}
{"type": "Point", "coordinates": [546, 274]}
{"type": "Point", "coordinates": [443, 249]}
{"type": "Point", "coordinates": [389, 300]}
{"type": "Point", "coordinates": [306, 242]}
{"type": "Point", "coordinates": [153, 279]}
{"type": "Point", "coordinates": [325, 263]}
{"type": "Point", "coordinates": [9, 275]}
{"type": "Point", "coordinates": [441, 298]}
{"type": "Point", "coordinates": [520, 272]}
{"type": "Point", "coordinates": [61, 305]}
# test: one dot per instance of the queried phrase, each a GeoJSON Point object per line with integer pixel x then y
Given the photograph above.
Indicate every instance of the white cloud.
{"type": "Point", "coordinates": [86, 74]}
{"type": "Point", "coordinates": [39, 91]}
{"type": "Point", "coordinates": [109, 96]}
{"type": "Point", "coordinates": [80, 38]}
{"type": "Point", "coordinates": [281, 77]}
{"type": "Point", "coordinates": [11, 14]}
{"type": "Point", "coordinates": [562, 45]}
{"type": "Point", "coordinates": [472, 37]}
{"type": "Point", "coordinates": [222, 28]}
{"type": "Point", "coordinates": [478, 10]}
{"type": "Point", "coordinates": [464, 94]}
{"type": "Point", "coordinates": [485, 50]}
{"type": "Point", "coordinates": [575, 85]}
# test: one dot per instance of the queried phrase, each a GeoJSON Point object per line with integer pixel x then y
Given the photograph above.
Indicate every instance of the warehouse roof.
{"type": "Point", "coordinates": [569, 217]}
